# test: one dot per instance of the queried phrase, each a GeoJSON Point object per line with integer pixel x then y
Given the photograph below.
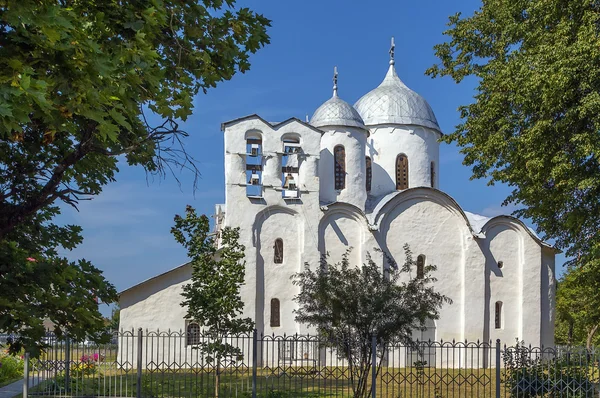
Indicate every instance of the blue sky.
{"type": "Point", "coordinates": [127, 227]}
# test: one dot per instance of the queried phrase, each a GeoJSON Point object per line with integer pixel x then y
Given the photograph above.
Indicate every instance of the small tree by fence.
{"type": "Point", "coordinates": [213, 297]}
{"type": "Point", "coordinates": [359, 309]}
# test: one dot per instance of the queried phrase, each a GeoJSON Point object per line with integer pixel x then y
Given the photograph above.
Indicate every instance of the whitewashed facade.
{"type": "Point", "coordinates": [363, 177]}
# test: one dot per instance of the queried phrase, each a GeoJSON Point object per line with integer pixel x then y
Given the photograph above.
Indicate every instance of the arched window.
{"type": "Point", "coordinates": [498, 316]}
{"type": "Point", "coordinates": [420, 267]}
{"type": "Point", "coordinates": [291, 144]}
{"type": "Point", "coordinates": [254, 164]}
{"type": "Point", "coordinates": [193, 333]}
{"type": "Point", "coordinates": [253, 144]}
{"type": "Point", "coordinates": [275, 318]}
{"type": "Point", "coordinates": [278, 251]}
{"type": "Point", "coordinates": [401, 172]}
{"type": "Point", "coordinates": [369, 174]}
{"type": "Point", "coordinates": [432, 173]}
{"type": "Point", "coordinates": [339, 154]}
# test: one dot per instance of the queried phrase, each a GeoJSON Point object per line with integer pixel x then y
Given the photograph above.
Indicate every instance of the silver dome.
{"type": "Point", "coordinates": [336, 112]}
{"type": "Point", "coordinates": [394, 103]}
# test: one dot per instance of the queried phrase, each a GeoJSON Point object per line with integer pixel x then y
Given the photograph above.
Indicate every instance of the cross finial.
{"type": "Point", "coordinates": [392, 47]}
{"type": "Point", "coordinates": [335, 77]}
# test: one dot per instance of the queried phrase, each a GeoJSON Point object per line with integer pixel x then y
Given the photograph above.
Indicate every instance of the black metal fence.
{"type": "Point", "coordinates": [170, 364]}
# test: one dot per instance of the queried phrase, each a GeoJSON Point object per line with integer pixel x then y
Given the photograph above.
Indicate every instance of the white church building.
{"type": "Point", "coordinates": [362, 177]}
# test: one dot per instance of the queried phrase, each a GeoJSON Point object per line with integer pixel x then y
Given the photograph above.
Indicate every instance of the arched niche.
{"type": "Point", "coordinates": [340, 229]}
{"type": "Point", "coordinates": [253, 134]}
{"type": "Point", "coordinates": [276, 224]}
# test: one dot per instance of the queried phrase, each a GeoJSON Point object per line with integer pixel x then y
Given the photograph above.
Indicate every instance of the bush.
{"type": "Point", "coordinates": [529, 374]}
{"type": "Point", "coordinates": [11, 368]}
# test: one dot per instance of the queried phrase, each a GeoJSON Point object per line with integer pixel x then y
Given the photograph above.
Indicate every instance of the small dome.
{"type": "Point", "coordinates": [336, 112]}
{"type": "Point", "coordinates": [394, 103]}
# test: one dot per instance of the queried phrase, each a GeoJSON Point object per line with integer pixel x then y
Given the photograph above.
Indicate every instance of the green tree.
{"type": "Point", "coordinates": [578, 307]}
{"type": "Point", "coordinates": [213, 297]}
{"type": "Point", "coordinates": [535, 120]}
{"type": "Point", "coordinates": [115, 318]}
{"type": "Point", "coordinates": [349, 304]}
{"type": "Point", "coordinates": [77, 80]}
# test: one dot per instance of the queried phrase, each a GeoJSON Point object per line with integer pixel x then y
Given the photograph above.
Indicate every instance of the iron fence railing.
{"type": "Point", "coordinates": [169, 364]}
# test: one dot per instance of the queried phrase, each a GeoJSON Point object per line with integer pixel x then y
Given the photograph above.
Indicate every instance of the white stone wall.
{"type": "Point", "coordinates": [276, 277]}
{"type": "Point", "coordinates": [354, 142]}
{"type": "Point", "coordinates": [155, 304]}
{"type": "Point", "coordinates": [548, 294]}
{"type": "Point", "coordinates": [419, 144]}
{"type": "Point", "coordinates": [517, 284]}
{"type": "Point", "coordinates": [261, 221]}
{"type": "Point", "coordinates": [427, 221]}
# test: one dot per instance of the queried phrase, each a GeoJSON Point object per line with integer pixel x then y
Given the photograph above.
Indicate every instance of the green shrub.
{"type": "Point", "coordinates": [528, 374]}
{"type": "Point", "coordinates": [11, 368]}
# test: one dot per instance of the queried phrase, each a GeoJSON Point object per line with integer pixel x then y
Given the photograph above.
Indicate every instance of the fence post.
{"type": "Point", "coordinates": [67, 363]}
{"type": "Point", "coordinates": [138, 387]}
{"type": "Point", "coordinates": [254, 361]}
{"type": "Point", "coordinates": [498, 368]}
{"type": "Point", "coordinates": [26, 375]}
{"type": "Point", "coordinates": [373, 365]}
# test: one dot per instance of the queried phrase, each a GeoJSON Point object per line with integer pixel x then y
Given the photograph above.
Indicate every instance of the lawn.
{"type": "Point", "coordinates": [273, 383]}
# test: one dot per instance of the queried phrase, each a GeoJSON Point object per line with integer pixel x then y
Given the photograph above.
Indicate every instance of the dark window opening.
{"type": "Point", "coordinates": [369, 174]}
{"type": "Point", "coordinates": [432, 174]}
{"type": "Point", "coordinates": [193, 333]}
{"type": "Point", "coordinates": [401, 172]}
{"type": "Point", "coordinates": [275, 316]}
{"type": "Point", "coordinates": [278, 249]}
{"type": "Point", "coordinates": [498, 317]}
{"type": "Point", "coordinates": [340, 167]}
{"type": "Point", "coordinates": [420, 267]}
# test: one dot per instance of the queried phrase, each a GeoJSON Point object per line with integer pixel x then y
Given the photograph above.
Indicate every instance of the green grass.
{"type": "Point", "coordinates": [272, 383]}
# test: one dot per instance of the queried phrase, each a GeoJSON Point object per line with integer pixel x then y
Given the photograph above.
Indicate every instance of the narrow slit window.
{"type": "Point", "coordinates": [369, 174]}
{"type": "Point", "coordinates": [278, 250]}
{"type": "Point", "coordinates": [432, 173]}
{"type": "Point", "coordinates": [401, 172]}
{"type": "Point", "coordinates": [420, 267]}
{"type": "Point", "coordinates": [275, 313]}
{"type": "Point", "coordinates": [193, 333]}
{"type": "Point", "coordinates": [340, 167]}
{"type": "Point", "coordinates": [498, 317]}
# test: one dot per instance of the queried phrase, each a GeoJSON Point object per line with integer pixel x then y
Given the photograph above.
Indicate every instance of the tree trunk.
{"type": "Point", "coordinates": [570, 335]}
{"type": "Point", "coordinates": [590, 336]}
{"type": "Point", "coordinates": [217, 375]}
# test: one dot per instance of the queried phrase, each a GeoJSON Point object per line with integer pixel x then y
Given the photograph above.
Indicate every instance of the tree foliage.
{"type": "Point", "coordinates": [213, 297]}
{"type": "Point", "coordinates": [76, 81]}
{"type": "Point", "coordinates": [115, 318]}
{"type": "Point", "coordinates": [578, 307]}
{"type": "Point", "coordinates": [535, 120]}
{"type": "Point", "coordinates": [349, 304]}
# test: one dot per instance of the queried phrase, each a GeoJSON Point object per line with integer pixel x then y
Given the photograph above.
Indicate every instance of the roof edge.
{"type": "Point", "coordinates": [275, 126]}
{"type": "Point", "coordinates": [154, 277]}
